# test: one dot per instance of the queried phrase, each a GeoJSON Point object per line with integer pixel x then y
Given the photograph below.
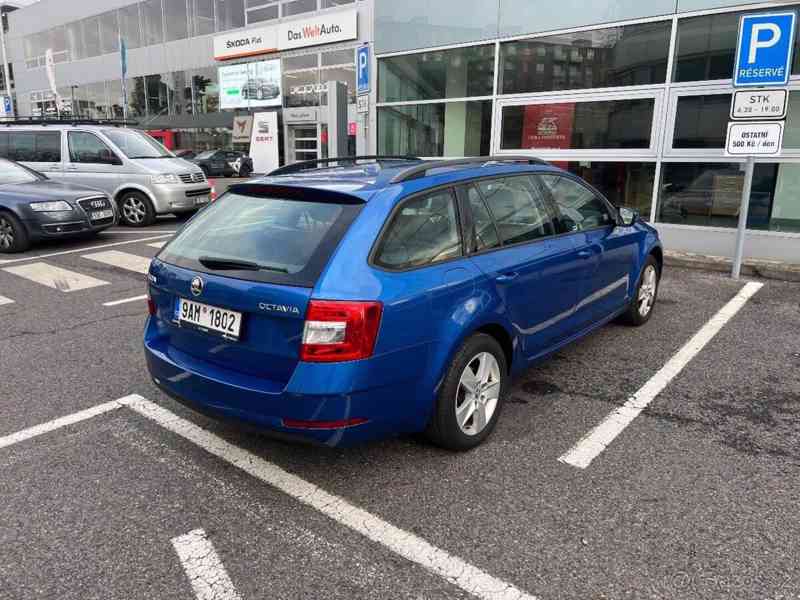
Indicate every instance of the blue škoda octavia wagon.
{"type": "Point", "coordinates": [342, 304]}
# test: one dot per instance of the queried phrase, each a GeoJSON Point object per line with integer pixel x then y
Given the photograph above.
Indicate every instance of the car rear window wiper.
{"type": "Point", "coordinates": [231, 264]}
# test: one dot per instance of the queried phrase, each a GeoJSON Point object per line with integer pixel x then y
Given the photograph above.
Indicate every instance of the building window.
{"type": "Point", "coordinates": [137, 97]}
{"type": "Point", "coordinates": [296, 7]}
{"type": "Point", "coordinates": [630, 55]}
{"type": "Point", "coordinates": [201, 17]}
{"type": "Point", "coordinates": [109, 32]}
{"type": "Point", "coordinates": [706, 46]}
{"type": "Point", "coordinates": [447, 129]}
{"type": "Point", "coordinates": [176, 20]}
{"type": "Point", "coordinates": [701, 121]}
{"type": "Point", "coordinates": [459, 73]}
{"type": "Point", "coordinates": [230, 14]}
{"type": "Point", "coordinates": [262, 10]}
{"type": "Point", "coordinates": [346, 75]}
{"type": "Point", "coordinates": [91, 36]}
{"type": "Point", "coordinates": [710, 194]}
{"type": "Point", "coordinates": [76, 49]}
{"type": "Point", "coordinates": [152, 23]}
{"type": "Point", "coordinates": [628, 184]}
{"type": "Point", "coordinates": [301, 88]}
{"type": "Point", "coordinates": [304, 61]}
{"type": "Point", "coordinates": [129, 25]}
{"type": "Point", "coordinates": [204, 91]}
{"type": "Point", "coordinates": [613, 124]}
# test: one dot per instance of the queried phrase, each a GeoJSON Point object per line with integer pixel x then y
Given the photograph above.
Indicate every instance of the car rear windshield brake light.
{"type": "Point", "coordinates": [337, 331]}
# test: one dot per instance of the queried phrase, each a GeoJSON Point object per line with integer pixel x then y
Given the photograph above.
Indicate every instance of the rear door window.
{"type": "Point", "coordinates": [268, 239]}
{"type": "Point", "coordinates": [579, 206]}
{"type": "Point", "coordinates": [519, 209]}
{"type": "Point", "coordinates": [484, 229]}
{"type": "Point", "coordinates": [423, 231]}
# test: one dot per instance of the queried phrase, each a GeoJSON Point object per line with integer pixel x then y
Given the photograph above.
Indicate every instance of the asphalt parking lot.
{"type": "Point", "coordinates": [696, 498]}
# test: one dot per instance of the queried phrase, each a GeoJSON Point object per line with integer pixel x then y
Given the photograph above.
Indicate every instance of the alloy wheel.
{"type": "Point", "coordinates": [478, 393]}
{"type": "Point", "coordinates": [647, 291]}
{"type": "Point", "coordinates": [6, 233]}
{"type": "Point", "coordinates": [134, 210]}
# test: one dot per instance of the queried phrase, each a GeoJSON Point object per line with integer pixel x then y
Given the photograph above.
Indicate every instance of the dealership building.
{"type": "Point", "coordinates": [633, 95]}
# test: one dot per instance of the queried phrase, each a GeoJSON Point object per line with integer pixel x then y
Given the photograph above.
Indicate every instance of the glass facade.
{"type": "Point", "coordinates": [601, 102]}
{"type": "Point", "coordinates": [152, 22]}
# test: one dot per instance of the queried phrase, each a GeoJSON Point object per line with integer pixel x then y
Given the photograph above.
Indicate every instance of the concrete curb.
{"type": "Point", "coordinates": [766, 269]}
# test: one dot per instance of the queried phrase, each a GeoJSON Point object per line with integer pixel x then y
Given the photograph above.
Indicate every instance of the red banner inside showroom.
{"type": "Point", "coordinates": [548, 126]}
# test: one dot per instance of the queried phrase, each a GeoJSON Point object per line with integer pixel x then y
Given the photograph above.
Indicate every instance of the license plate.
{"type": "Point", "coordinates": [99, 215]}
{"type": "Point", "coordinates": [210, 319]}
{"type": "Point", "coordinates": [201, 200]}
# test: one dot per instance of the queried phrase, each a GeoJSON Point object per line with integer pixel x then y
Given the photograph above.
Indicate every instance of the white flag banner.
{"type": "Point", "coordinates": [50, 66]}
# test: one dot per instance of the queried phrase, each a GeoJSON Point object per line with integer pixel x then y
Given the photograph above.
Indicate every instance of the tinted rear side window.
{"type": "Point", "coordinates": [423, 231]}
{"type": "Point", "coordinates": [518, 208]}
{"type": "Point", "coordinates": [289, 240]}
{"type": "Point", "coordinates": [579, 206]}
{"type": "Point", "coordinates": [28, 146]}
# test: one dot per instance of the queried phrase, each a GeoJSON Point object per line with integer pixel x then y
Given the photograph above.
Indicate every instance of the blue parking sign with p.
{"type": "Point", "coordinates": [362, 69]}
{"type": "Point", "coordinates": [764, 52]}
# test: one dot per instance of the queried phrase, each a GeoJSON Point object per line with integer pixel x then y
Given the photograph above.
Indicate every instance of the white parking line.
{"type": "Point", "coordinates": [158, 245]}
{"type": "Point", "coordinates": [598, 439]}
{"type": "Point", "coordinates": [204, 568]}
{"type": "Point", "coordinates": [36, 430]}
{"type": "Point", "coordinates": [125, 300]}
{"type": "Point", "coordinates": [403, 543]}
{"type": "Point", "coordinates": [4, 300]}
{"type": "Point", "coordinates": [84, 249]}
{"type": "Point", "coordinates": [411, 547]}
{"type": "Point", "coordinates": [123, 260]}
{"type": "Point", "coordinates": [55, 277]}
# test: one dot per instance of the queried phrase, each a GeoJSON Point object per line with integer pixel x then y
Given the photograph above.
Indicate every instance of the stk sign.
{"type": "Point", "coordinates": [764, 51]}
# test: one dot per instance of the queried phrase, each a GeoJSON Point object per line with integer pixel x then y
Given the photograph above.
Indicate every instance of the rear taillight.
{"type": "Point", "coordinates": [151, 306]}
{"type": "Point", "coordinates": [338, 331]}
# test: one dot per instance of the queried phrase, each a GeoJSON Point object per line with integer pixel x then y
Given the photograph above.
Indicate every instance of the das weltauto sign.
{"type": "Point", "coordinates": [334, 27]}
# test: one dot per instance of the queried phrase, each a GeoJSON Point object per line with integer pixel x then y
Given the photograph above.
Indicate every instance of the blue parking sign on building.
{"type": "Point", "coordinates": [764, 51]}
{"type": "Point", "coordinates": [362, 69]}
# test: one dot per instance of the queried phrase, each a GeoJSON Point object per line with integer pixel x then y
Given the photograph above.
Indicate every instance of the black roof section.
{"type": "Point", "coordinates": [64, 121]}
{"type": "Point", "coordinates": [422, 169]}
{"type": "Point", "coordinates": [322, 163]}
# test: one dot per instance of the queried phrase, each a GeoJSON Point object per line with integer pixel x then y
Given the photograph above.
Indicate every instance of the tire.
{"type": "Point", "coordinates": [643, 302]}
{"type": "Point", "coordinates": [136, 210]}
{"type": "Point", "coordinates": [454, 424]}
{"type": "Point", "coordinates": [13, 236]}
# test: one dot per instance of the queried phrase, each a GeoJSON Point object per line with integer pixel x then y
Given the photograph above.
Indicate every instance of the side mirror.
{"type": "Point", "coordinates": [628, 216]}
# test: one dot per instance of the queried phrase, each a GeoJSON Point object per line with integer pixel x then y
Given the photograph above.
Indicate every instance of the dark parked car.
{"type": "Point", "coordinates": [185, 154]}
{"type": "Point", "coordinates": [260, 89]}
{"type": "Point", "coordinates": [33, 208]}
{"type": "Point", "coordinates": [224, 163]}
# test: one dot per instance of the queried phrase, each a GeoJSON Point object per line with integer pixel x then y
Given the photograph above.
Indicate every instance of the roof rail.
{"type": "Point", "coordinates": [422, 169]}
{"type": "Point", "coordinates": [64, 121]}
{"type": "Point", "coordinates": [307, 165]}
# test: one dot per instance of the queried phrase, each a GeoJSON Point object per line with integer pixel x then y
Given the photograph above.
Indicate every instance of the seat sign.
{"type": "Point", "coordinates": [764, 51]}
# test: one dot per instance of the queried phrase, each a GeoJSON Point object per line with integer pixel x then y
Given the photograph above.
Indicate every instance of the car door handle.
{"type": "Point", "coordinates": [585, 254]}
{"type": "Point", "coordinates": [506, 277]}
{"type": "Point", "coordinates": [72, 167]}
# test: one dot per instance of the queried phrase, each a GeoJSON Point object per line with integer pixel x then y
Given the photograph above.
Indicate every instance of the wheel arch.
{"type": "Point", "coordinates": [657, 252]}
{"type": "Point", "coordinates": [133, 187]}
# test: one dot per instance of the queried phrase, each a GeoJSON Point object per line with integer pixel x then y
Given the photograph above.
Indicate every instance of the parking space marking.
{"type": "Point", "coordinates": [37, 430]}
{"type": "Point", "coordinates": [158, 245]}
{"type": "Point", "coordinates": [84, 249]}
{"type": "Point", "coordinates": [126, 300]}
{"type": "Point", "coordinates": [54, 277]}
{"type": "Point", "coordinates": [404, 543]}
{"type": "Point", "coordinates": [598, 439]}
{"type": "Point", "coordinates": [4, 300]}
{"type": "Point", "coordinates": [122, 260]}
{"type": "Point", "coordinates": [203, 567]}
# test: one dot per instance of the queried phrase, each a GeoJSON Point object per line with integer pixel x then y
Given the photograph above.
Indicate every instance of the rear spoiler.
{"type": "Point", "coordinates": [292, 192]}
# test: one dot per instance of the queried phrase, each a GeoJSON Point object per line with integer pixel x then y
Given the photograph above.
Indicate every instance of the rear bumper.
{"type": "Point", "coordinates": [264, 404]}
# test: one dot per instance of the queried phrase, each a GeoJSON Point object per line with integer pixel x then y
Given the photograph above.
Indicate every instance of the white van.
{"type": "Point", "coordinates": [144, 178]}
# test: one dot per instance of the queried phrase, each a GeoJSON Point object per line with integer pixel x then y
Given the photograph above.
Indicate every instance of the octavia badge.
{"type": "Point", "coordinates": [197, 286]}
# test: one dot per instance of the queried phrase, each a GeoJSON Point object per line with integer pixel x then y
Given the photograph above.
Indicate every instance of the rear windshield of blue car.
{"type": "Point", "coordinates": [279, 240]}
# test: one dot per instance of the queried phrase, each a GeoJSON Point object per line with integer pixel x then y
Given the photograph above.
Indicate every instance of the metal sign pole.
{"type": "Point", "coordinates": [744, 208]}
